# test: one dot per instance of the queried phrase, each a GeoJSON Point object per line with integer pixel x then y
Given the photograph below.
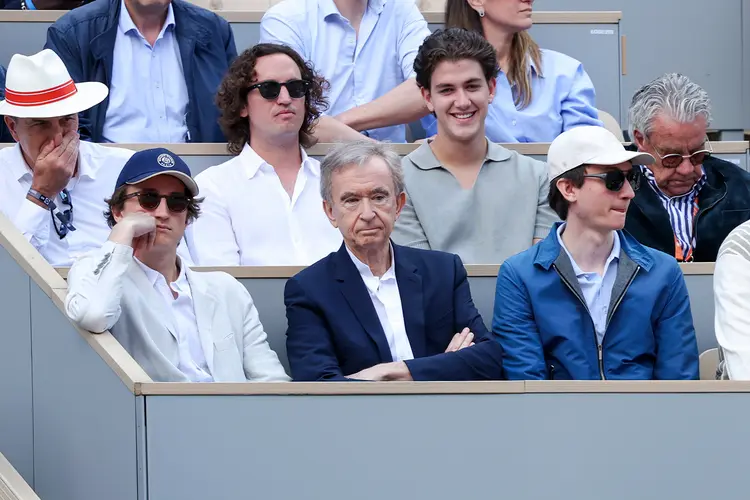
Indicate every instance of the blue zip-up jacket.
{"type": "Point", "coordinates": [4, 132]}
{"type": "Point", "coordinates": [546, 332]}
{"type": "Point", "coordinates": [84, 39]}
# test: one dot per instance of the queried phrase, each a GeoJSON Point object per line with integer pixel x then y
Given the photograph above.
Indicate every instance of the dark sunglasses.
{"type": "Point", "coordinates": [62, 220]}
{"type": "Point", "coordinates": [615, 179]}
{"type": "Point", "coordinates": [150, 200]}
{"type": "Point", "coordinates": [271, 89]}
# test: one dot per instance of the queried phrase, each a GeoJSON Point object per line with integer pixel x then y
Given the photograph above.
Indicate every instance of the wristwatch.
{"type": "Point", "coordinates": [48, 202]}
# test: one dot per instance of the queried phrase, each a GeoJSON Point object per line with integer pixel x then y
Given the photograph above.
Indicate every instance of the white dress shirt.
{"type": "Point", "coordinates": [387, 301]}
{"type": "Point", "coordinates": [98, 169]}
{"type": "Point", "coordinates": [360, 66]}
{"type": "Point", "coordinates": [248, 219]}
{"type": "Point", "coordinates": [732, 303]}
{"type": "Point", "coordinates": [192, 358]}
{"type": "Point", "coordinates": [148, 96]}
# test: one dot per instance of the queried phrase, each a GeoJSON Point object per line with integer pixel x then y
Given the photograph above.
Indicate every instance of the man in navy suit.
{"type": "Point", "coordinates": [378, 311]}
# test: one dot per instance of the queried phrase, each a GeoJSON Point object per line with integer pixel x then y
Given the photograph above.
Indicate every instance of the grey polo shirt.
{"type": "Point", "coordinates": [497, 218]}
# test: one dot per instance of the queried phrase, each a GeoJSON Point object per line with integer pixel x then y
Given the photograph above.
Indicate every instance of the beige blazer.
{"type": "Point", "coordinates": [107, 290]}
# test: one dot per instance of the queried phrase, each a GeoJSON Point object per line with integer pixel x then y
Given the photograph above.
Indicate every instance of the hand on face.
{"type": "Point", "coordinates": [56, 164]}
{"type": "Point", "coordinates": [137, 230]}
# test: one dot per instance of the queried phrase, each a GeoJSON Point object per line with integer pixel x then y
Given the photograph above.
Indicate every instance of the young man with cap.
{"type": "Point", "coordinates": [52, 185]}
{"type": "Point", "coordinates": [179, 325]}
{"type": "Point", "coordinates": [589, 301]}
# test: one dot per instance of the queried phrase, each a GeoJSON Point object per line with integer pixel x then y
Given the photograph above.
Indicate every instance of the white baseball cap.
{"type": "Point", "coordinates": [589, 145]}
{"type": "Point", "coordinates": [40, 86]}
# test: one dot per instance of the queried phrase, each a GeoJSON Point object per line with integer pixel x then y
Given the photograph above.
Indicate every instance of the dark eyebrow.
{"type": "Point", "coordinates": [347, 194]}
{"type": "Point", "coordinates": [380, 190]}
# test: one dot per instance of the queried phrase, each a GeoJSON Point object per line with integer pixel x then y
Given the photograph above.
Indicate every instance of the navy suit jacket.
{"type": "Point", "coordinates": [334, 330]}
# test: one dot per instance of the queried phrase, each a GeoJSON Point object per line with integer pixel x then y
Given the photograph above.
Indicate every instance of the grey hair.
{"type": "Point", "coordinates": [358, 153]}
{"type": "Point", "coordinates": [673, 94]}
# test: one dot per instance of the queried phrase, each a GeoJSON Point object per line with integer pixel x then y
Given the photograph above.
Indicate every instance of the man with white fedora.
{"type": "Point", "coordinates": [52, 185]}
{"type": "Point", "coordinates": [589, 301]}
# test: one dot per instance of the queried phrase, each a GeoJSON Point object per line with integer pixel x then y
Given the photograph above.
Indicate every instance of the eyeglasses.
{"type": "Point", "coordinates": [674, 160]}
{"type": "Point", "coordinates": [271, 89]}
{"type": "Point", "coordinates": [150, 200]}
{"type": "Point", "coordinates": [62, 220]}
{"type": "Point", "coordinates": [615, 179]}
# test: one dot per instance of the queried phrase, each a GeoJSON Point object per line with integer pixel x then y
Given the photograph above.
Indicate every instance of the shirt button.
{"type": "Point", "coordinates": [514, 123]}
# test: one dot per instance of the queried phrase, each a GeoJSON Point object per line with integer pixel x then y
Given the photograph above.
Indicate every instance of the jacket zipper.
{"type": "Point", "coordinates": [695, 222]}
{"type": "Point", "coordinates": [596, 340]}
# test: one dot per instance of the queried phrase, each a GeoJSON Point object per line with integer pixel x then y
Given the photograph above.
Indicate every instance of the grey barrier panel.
{"type": "Point", "coordinates": [16, 406]}
{"type": "Point", "coordinates": [268, 294]}
{"type": "Point", "coordinates": [746, 62]}
{"type": "Point", "coordinates": [22, 38]}
{"type": "Point", "coordinates": [738, 159]}
{"type": "Point", "coordinates": [85, 438]}
{"type": "Point", "coordinates": [518, 446]}
{"type": "Point", "coordinates": [658, 41]}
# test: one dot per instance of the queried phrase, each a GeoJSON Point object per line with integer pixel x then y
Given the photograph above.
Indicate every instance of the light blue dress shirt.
{"type": "Point", "coordinates": [359, 68]}
{"type": "Point", "coordinates": [563, 97]}
{"type": "Point", "coordinates": [148, 97]}
{"type": "Point", "coordinates": [597, 289]}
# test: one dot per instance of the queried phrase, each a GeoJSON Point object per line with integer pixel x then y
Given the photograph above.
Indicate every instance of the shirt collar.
{"type": "Point", "coordinates": [613, 255]}
{"type": "Point", "coordinates": [652, 182]}
{"type": "Point", "coordinates": [252, 162]}
{"type": "Point", "coordinates": [372, 282]}
{"type": "Point", "coordinates": [154, 276]}
{"type": "Point", "coordinates": [424, 158]}
{"type": "Point", "coordinates": [127, 25]}
{"type": "Point", "coordinates": [328, 7]}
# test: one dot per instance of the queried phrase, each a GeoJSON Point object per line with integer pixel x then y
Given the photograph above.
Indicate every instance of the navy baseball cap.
{"type": "Point", "coordinates": [149, 163]}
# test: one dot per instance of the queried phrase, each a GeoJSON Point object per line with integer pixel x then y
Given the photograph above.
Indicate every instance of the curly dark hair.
{"type": "Point", "coordinates": [117, 202]}
{"type": "Point", "coordinates": [232, 95]}
{"type": "Point", "coordinates": [453, 44]}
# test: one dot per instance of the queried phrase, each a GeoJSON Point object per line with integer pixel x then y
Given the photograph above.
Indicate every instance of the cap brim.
{"type": "Point", "coordinates": [186, 179]}
{"type": "Point", "coordinates": [89, 95]}
{"type": "Point", "coordinates": [634, 157]}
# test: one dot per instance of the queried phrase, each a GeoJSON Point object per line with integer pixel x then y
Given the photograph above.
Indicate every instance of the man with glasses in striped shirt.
{"type": "Point", "coordinates": [691, 200]}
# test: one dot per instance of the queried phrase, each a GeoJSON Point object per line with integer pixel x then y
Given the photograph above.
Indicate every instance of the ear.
{"type": "Point", "coordinates": [492, 84]}
{"type": "Point", "coordinates": [638, 139]}
{"type": "Point", "coordinates": [567, 190]}
{"type": "Point", "coordinates": [12, 125]}
{"type": "Point", "coordinates": [328, 209]}
{"type": "Point", "coordinates": [117, 214]}
{"type": "Point", "coordinates": [243, 112]}
{"type": "Point", "coordinates": [400, 202]}
{"type": "Point", "coordinates": [427, 99]}
{"type": "Point", "coordinates": [476, 4]}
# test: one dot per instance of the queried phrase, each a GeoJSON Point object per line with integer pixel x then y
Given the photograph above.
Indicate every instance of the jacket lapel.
{"type": "Point", "coordinates": [190, 37]}
{"type": "Point", "coordinates": [152, 299]}
{"type": "Point", "coordinates": [103, 48]}
{"type": "Point", "coordinates": [204, 304]}
{"type": "Point", "coordinates": [355, 292]}
{"type": "Point", "coordinates": [412, 301]}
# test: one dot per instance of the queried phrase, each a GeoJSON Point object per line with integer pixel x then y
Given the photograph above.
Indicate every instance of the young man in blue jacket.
{"type": "Point", "coordinates": [162, 61]}
{"type": "Point", "coordinates": [589, 301]}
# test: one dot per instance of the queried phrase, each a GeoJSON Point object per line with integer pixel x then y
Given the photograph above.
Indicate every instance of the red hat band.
{"type": "Point", "coordinates": [41, 97]}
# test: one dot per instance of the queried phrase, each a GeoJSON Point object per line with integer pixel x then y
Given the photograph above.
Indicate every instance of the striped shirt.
{"type": "Point", "coordinates": [682, 210]}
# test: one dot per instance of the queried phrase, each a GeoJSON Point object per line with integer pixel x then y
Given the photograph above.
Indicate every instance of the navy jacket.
{"type": "Point", "coordinates": [4, 133]}
{"type": "Point", "coordinates": [334, 330]}
{"type": "Point", "coordinates": [85, 40]}
{"type": "Point", "coordinates": [546, 331]}
{"type": "Point", "coordinates": [723, 204]}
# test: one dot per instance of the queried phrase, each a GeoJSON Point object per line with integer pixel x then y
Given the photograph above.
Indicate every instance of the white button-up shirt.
{"type": "Point", "coordinates": [248, 219]}
{"type": "Point", "coordinates": [182, 323]}
{"type": "Point", "coordinates": [359, 66]}
{"type": "Point", "coordinates": [387, 301]}
{"type": "Point", "coordinates": [148, 97]}
{"type": "Point", "coordinates": [98, 169]}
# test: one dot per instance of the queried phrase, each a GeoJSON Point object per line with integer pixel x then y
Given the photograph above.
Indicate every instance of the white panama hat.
{"type": "Point", "coordinates": [589, 145]}
{"type": "Point", "coordinates": [40, 86]}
